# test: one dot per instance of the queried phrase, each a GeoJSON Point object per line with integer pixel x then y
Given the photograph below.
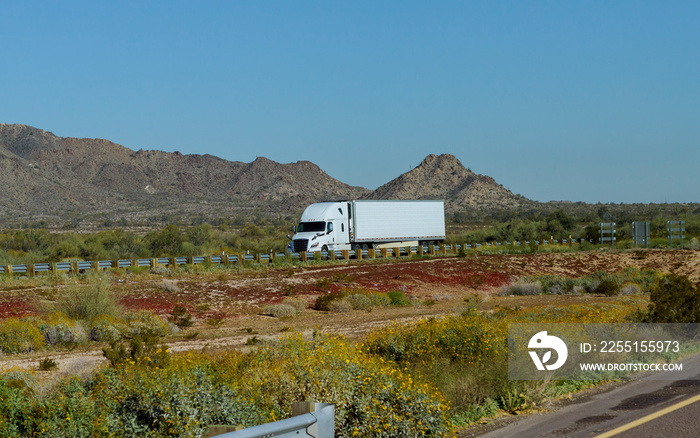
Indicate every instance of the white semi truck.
{"type": "Point", "coordinates": [332, 226]}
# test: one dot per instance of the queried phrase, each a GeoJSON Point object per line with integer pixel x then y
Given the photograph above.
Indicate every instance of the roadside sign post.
{"type": "Point", "coordinates": [676, 230]}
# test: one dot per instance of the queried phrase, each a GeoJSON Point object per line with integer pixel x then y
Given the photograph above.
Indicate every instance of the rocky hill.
{"type": "Point", "coordinates": [444, 177]}
{"type": "Point", "coordinates": [45, 176]}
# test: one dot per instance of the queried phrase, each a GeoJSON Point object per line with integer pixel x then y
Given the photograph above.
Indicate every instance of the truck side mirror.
{"type": "Point", "coordinates": [289, 237]}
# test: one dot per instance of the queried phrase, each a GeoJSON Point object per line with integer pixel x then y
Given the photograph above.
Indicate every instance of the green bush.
{"type": "Point", "coordinates": [340, 306]}
{"type": "Point", "coordinates": [674, 299]}
{"type": "Point", "coordinates": [300, 304]}
{"type": "Point", "coordinates": [181, 317]}
{"type": "Point", "coordinates": [279, 310]}
{"type": "Point", "coordinates": [104, 328]}
{"type": "Point", "coordinates": [373, 398]}
{"type": "Point", "coordinates": [142, 322]}
{"type": "Point", "coordinates": [359, 301]}
{"type": "Point", "coordinates": [18, 336]}
{"type": "Point", "coordinates": [86, 301]}
{"type": "Point", "coordinates": [608, 287]}
{"type": "Point", "coordinates": [398, 298]}
{"type": "Point", "coordinates": [180, 400]}
{"type": "Point", "coordinates": [324, 301]}
{"type": "Point", "coordinates": [143, 350]}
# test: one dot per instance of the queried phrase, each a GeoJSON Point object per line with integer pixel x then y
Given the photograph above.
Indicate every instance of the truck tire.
{"type": "Point", "coordinates": [324, 248]}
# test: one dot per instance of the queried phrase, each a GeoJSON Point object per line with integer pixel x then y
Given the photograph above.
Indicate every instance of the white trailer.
{"type": "Point", "coordinates": [369, 224]}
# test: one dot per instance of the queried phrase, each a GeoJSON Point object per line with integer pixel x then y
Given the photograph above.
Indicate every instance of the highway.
{"type": "Point", "coordinates": [646, 407]}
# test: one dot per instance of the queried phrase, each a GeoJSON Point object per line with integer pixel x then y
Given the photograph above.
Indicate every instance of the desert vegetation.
{"type": "Point", "coordinates": [260, 233]}
{"type": "Point", "coordinates": [423, 376]}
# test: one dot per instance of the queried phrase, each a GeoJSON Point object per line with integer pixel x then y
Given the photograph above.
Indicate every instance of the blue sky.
{"type": "Point", "coordinates": [595, 101]}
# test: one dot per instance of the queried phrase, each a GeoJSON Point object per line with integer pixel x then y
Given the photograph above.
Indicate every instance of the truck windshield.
{"type": "Point", "coordinates": [311, 227]}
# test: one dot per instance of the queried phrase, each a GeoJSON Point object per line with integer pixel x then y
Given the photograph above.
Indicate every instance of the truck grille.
{"type": "Point", "coordinates": [300, 245]}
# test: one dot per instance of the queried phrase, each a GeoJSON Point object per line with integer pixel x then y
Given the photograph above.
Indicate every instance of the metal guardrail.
{"type": "Point", "coordinates": [84, 266]}
{"type": "Point", "coordinates": [320, 423]}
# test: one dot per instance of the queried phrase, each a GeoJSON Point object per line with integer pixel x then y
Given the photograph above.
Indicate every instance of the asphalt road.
{"type": "Point", "coordinates": [645, 407]}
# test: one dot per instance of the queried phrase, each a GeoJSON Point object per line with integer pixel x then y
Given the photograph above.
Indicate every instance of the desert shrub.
{"type": "Point", "coordinates": [340, 306]}
{"type": "Point", "coordinates": [104, 328]}
{"type": "Point", "coordinates": [181, 317]}
{"type": "Point", "coordinates": [170, 286]}
{"type": "Point", "coordinates": [472, 300]}
{"type": "Point", "coordinates": [468, 338]}
{"type": "Point", "coordinates": [141, 322]}
{"type": "Point", "coordinates": [608, 287]}
{"type": "Point", "coordinates": [398, 298]}
{"type": "Point", "coordinates": [86, 301]}
{"type": "Point", "coordinates": [373, 398]}
{"type": "Point", "coordinates": [279, 310]}
{"type": "Point", "coordinates": [299, 304]}
{"type": "Point", "coordinates": [359, 301]}
{"type": "Point", "coordinates": [630, 289]}
{"type": "Point", "coordinates": [522, 287]}
{"type": "Point", "coordinates": [674, 299]}
{"type": "Point", "coordinates": [58, 328]}
{"type": "Point", "coordinates": [18, 336]}
{"type": "Point", "coordinates": [179, 400]}
{"type": "Point", "coordinates": [65, 412]}
{"type": "Point", "coordinates": [380, 299]}
{"type": "Point", "coordinates": [323, 283]}
{"type": "Point", "coordinates": [143, 350]}
{"type": "Point", "coordinates": [694, 244]}
{"type": "Point", "coordinates": [323, 301]}
{"type": "Point", "coordinates": [47, 364]}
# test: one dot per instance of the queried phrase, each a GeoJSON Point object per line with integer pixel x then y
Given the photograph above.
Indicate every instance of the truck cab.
{"type": "Point", "coordinates": [324, 226]}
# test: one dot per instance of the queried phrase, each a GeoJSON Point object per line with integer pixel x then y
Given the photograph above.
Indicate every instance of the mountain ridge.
{"type": "Point", "coordinates": [49, 176]}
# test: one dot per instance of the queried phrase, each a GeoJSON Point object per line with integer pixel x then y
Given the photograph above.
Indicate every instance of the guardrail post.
{"type": "Point", "coordinates": [241, 259]}
{"type": "Point", "coordinates": [443, 247]}
{"type": "Point", "coordinates": [172, 263]}
{"type": "Point", "coordinates": [52, 268]}
{"type": "Point", "coordinates": [383, 252]}
{"type": "Point", "coordinates": [372, 253]}
{"type": "Point", "coordinates": [96, 266]}
{"type": "Point", "coordinates": [420, 249]}
{"type": "Point", "coordinates": [154, 263]}
{"type": "Point", "coordinates": [346, 254]}
{"type": "Point", "coordinates": [397, 252]}
{"type": "Point", "coordinates": [31, 270]}
{"type": "Point", "coordinates": [134, 263]}
{"type": "Point", "coordinates": [225, 260]}
{"type": "Point", "coordinates": [431, 249]}
{"type": "Point", "coordinates": [302, 256]}
{"type": "Point", "coordinates": [332, 254]}
{"type": "Point", "coordinates": [74, 268]}
{"type": "Point", "coordinates": [358, 254]}
{"type": "Point", "coordinates": [207, 259]}
{"type": "Point", "coordinates": [8, 269]}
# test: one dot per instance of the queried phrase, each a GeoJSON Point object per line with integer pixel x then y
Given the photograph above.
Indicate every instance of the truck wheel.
{"type": "Point", "coordinates": [324, 248]}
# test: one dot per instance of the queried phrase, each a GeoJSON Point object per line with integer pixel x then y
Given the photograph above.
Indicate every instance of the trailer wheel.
{"type": "Point", "coordinates": [365, 247]}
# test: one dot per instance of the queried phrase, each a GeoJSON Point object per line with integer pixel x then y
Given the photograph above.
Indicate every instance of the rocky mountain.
{"type": "Point", "coordinates": [444, 177]}
{"type": "Point", "coordinates": [45, 176]}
